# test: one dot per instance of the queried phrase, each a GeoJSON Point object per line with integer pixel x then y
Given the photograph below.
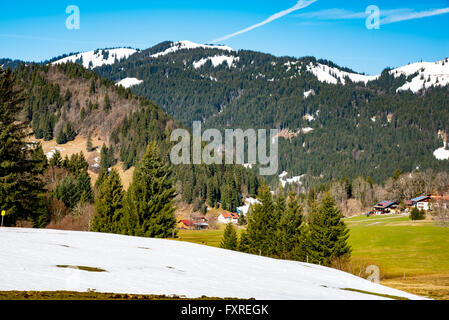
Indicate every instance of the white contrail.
{"type": "Point", "coordinates": [388, 16]}
{"type": "Point", "coordinates": [414, 15]}
{"type": "Point", "coordinates": [300, 5]}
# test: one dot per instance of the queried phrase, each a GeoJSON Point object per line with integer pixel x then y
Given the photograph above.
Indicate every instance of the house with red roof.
{"type": "Point", "coordinates": [226, 217]}
{"type": "Point", "coordinates": [186, 224]}
{"type": "Point", "coordinates": [196, 224]}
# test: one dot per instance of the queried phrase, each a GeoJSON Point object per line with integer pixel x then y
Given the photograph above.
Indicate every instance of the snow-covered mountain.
{"type": "Point", "coordinates": [98, 58]}
{"type": "Point", "coordinates": [186, 44]}
{"type": "Point", "coordinates": [428, 74]}
{"type": "Point", "coordinates": [333, 75]}
{"type": "Point", "coordinates": [49, 260]}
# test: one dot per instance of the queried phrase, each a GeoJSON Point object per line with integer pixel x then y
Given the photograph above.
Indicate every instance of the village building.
{"type": "Point", "coordinates": [385, 207]}
{"type": "Point", "coordinates": [422, 203]}
{"type": "Point", "coordinates": [227, 217]}
{"type": "Point", "coordinates": [186, 224]}
{"type": "Point", "coordinates": [196, 223]}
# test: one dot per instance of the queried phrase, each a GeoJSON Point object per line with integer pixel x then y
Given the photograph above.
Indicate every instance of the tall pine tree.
{"type": "Point", "coordinates": [326, 238]}
{"type": "Point", "coordinates": [230, 240]}
{"type": "Point", "coordinates": [262, 225]}
{"type": "Point", "coordinates": [109, 205]}
{"type": "Point", "coordinates": [21, 185]}
{"type": "Point", "coordinates": [148, 205]}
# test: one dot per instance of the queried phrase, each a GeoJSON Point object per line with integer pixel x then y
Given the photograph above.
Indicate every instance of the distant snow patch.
{"type": "Point", "coordinates": [309, 93]}
{"type": "Point", "coordinates": [332, 75]}
{"type": "Point", "coordinates": [293, 180]}
{"type": "Point", "coordinates": [185, 45]}
{"type": "Point", "coordinates": [442, 153]}
{"type": "Point", "coordinates": [429, 74]}
{"type": "Point", "coordinates": [306, 130]}
{"type": "Point", "coordinates": [248, 203]}
{"type": "Point", "coordinates": [98, 58]}
{"type": "Point", "coordinates": [129, 82]}
{"type": "Point", "coordinates": [308, 117]}
{"type": "Point", "coordinates": [216, 61]}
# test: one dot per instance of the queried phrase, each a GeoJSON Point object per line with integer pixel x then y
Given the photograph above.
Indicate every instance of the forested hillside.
{"type": "Point", "coordinates": [66, 100]}
{"type": "Point", "coordinates": [368, 128]}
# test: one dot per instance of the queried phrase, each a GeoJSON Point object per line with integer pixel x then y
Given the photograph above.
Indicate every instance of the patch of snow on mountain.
{"type": "Point", "coordinates": [289, 64]}
{"type": "Point", "coordinates": [309, 93]}
{"type": "Point", "coordinates": [308, 117]}
{"type": "Point", "coordinates": [96, 58]}
{"type": "Point", "coordinates": [134, 265]}
{"type": "Point", "coordinates": [293, 180]}
{"type": "Point", "coordinates": [181, 45]}
{"type": "Point", "coordinates": [306, 130]}
{"type": "Point", "coordinates": [331, 75]}
{"type": "Point", "coordinates": [283, 174]}
{"type": "Point", "coordinates": [216, 61]}
{"type": "Point", "coordinates": [442, 153]}
{"type": "Point", "coordinates": [429, 74]}
{"type": "Point", "coordinates": [248, 203]}
{"type": "Point", "coordinates": [129, 82]}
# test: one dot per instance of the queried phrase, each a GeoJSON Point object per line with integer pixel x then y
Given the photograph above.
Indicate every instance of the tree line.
{"type": "Point", "coordinates": [279, 228]}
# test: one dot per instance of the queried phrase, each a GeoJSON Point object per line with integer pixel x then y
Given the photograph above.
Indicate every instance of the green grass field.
{"type": "Point", "coordinates": [412, 255]}
{"type": "Point", "coordinates": [207, 237]}
{"type": "Point", "coordinates": [400, 246]}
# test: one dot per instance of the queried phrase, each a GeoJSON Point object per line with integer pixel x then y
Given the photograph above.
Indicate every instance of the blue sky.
{"type": "Point", "coordinates": [333, 30]}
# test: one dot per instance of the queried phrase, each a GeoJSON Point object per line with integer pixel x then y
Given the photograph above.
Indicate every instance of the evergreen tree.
{"type": "Point", "coordinates": [107, 159]}
{"type": "Point", "coordinates": [230, 240]}
{"type": "Point", "coordinates": [326, 237]}
{"type": "Point", "coordinates": [102, 176]}
{"type": "Point", "coordinates": [56, 160]}
{"type": "Point", "coordinates": [148, 204]}
{"type": "Point", "coordinates": [262, 225]}
{"type": "Point", "coordinates": [107, 103]}
{"type": "Point", "coordinates": [89, 145]}
{"type": "Point", "coordinates": [61, 137]}
{"type": "Point", "coordinates": [211, 200]}
{"type": "Point", "coordinates": [84, 187]}
{"type": "Point", "coordinates": [68, 192]}
{"type": "Point", "coordinates": [289, 228]}
{"type": "Point", "coordinates": [417, 214]}
{"type": "Point", "coordinates": [92, 88]}
{"type": "Point", "coordinates": [243, 244]}
{"type": "Point", "coordinates": [109, 205]}
{"type": "Point", "coordinates": [21, 168]}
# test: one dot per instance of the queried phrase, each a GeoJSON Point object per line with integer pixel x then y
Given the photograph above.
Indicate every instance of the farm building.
{"type": "Point", "coordinates": [422, 202]}
{"type": "Point", "coordinates": [196, 224]}
{"type": "Point", "coordinates": [186, 224]}
{"type": "Point", "coordinates": [386, 207]}
{"type": "Point", "coordinates": [226, 217]}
